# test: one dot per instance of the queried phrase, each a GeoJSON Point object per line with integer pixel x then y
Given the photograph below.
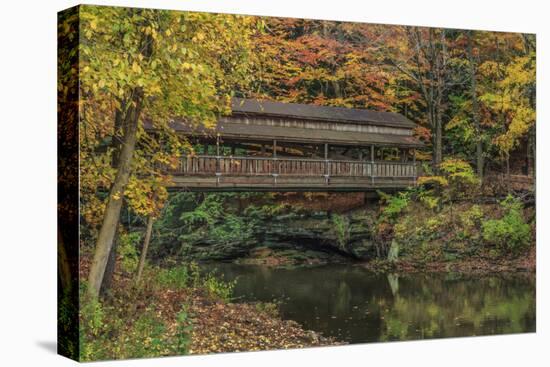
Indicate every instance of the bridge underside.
{"type": "Point", "coordinates": [288, 184]}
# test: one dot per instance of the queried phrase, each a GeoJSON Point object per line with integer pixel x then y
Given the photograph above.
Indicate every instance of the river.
{"type": "Point", "coordinates": [355, 305]}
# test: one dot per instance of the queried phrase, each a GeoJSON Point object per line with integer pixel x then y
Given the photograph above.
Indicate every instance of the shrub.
{"type": "Point", "coordinates": [471, 222]}
{"type": "Point", "coordinates": [430, 228]}
{"type": "Point", "coordinates": [472, 217]}
{"type": "Point", "coordinates": [146, 337]}
{"type": "Point", "coordinates": [433, 180]}
{"type": "Point", "coordinates": [108, 332]}
{"type": "Point", "coordinates": [433, 224]}
{"type": "Point", "coordinates": [178, 277]}
{"type": "Point", "coordinates": [457, 179]}
{"type": "Point", "coordinates": [127, 249]}
{"type": "Point", "coordinates": [510, 232]}
{"type": "Point", "coordinates": [428, 200]}
{"type": "Point", "coordinates": [218, 288]}
{"type": "Point", "coordinates": [183, 332]}
{"type": "Point", "coordinates": [342, 229]}
{"type": "Point", "coordinates": [401, 230]}
{"type": "Point", "coordinates": [173, 278]}
{"type": "Point", "coordinates": [91, 329]}
{"type": "Point", "coordinates": [395, 204]}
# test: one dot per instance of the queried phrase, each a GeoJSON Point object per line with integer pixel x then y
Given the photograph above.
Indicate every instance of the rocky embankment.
{"type": "Point", "coordinates": [315, 235]}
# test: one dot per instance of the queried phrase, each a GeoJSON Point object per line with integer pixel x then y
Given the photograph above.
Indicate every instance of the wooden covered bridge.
{"type": "Point", "coordinates": [274, 146]}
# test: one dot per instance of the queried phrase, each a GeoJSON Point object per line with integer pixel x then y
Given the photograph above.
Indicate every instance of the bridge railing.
{"type": "Point", "coordinates": [285, 166]}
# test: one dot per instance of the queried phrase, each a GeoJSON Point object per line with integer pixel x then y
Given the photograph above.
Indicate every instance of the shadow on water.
{"type": "Point", "coordinates": [355, 305]}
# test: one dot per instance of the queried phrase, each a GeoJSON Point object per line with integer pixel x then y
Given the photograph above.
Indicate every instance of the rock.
{"type": "Point", "coordinates": [313, 231]}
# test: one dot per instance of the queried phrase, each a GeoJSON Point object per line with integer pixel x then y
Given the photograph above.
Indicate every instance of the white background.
{"type": "Point", "coordinates": [28, 182]}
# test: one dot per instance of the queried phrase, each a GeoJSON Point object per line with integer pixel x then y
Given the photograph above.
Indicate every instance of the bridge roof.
{"type": "Point", "coordinates": [236, 131]}
{"type": "Point", "coordinates": [233, 127]}
{"type": "Point", "coordinates": [297, 135]}
{"type": "Point", "coordinates": [319, 113]}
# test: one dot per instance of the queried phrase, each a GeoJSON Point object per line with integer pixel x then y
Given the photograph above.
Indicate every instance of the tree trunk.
{"type": "Point", "coordinates": [64, 266]}
{"type": "Point", "coordinates": [115, 161]}
{"type": "Point", "coordinates": [114, 203]}
{"type": "Point", "coordinates": [475, 109]}
{"type": "Point", "coordinates": [508, 186]}
{"type": "Point", "coordinates": [109, 270]}
{"type": "Point", "coordinates": [143, 255]}
{"type": "Point", "coordinates": [534, 148]}
{"type": "Point", "coordinates": [438, 147]}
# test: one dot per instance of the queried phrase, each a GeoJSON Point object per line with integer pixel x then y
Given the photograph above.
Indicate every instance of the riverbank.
{"type": "Point", "coordinates": [482, 263]}
{"type": "Point", "coordinates": [412, 230]}
{"type": "Point", "coordinates": [179, 311]}
{"type": "Point", "coordinates": [475, 266]}
{"type": "Point", "coordinates": [235, 327]}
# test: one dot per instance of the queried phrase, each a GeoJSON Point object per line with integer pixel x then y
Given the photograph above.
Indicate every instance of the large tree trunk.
{"type": "Point", "coordinates": [109, 270]}
{"type": "Point", "coordinates": [115, 161]}
{"type": "Point", "coordinates": [475, 109]}
{"type": "Point", "coordinates": [143, 256]}
{"type": "Point", "coordinates": [114, 203]}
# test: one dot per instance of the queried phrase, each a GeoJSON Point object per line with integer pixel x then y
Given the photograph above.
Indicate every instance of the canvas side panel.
{"type": "Point", "coordinates": [68, 184]}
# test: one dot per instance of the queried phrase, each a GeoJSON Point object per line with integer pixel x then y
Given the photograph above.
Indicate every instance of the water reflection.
{"type": "Point", "coordinates": [356, 305]}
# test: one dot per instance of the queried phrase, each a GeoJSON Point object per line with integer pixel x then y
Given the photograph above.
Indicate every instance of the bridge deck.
{"type": "Point", "coordinates": [223, 173]}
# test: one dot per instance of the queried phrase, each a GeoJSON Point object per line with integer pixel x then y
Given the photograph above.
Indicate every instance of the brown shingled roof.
{"type": "Point", "coordinates": [315, 112]}
{"type": "Point", "coordinates": [238, 131]}
{"type": "Point", "coordinates": [235, 130]}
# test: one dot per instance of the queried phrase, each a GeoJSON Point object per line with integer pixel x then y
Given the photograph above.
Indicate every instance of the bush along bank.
{"type": "Point", "coordinates": [447, 224]}
{"type": "Point", "coordinates": [462, 237]}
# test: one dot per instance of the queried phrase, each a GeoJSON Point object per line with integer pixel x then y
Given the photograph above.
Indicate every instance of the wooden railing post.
{"type": "Point", "coordinates": [372, 164]}
{"type": "Point", "coordinates": [218, 173]}
{"type": "Point", "coordinates": [275, 165]}
{"type": "Point", "coordinates": [327, 165]}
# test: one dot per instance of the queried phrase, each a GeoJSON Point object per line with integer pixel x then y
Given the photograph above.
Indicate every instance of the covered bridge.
{"type": "Point", "coordinates": [275, 146]}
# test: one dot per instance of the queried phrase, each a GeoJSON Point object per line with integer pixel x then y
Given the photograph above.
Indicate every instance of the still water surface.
{"type": "Point", "coordinates": [355, 305]}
